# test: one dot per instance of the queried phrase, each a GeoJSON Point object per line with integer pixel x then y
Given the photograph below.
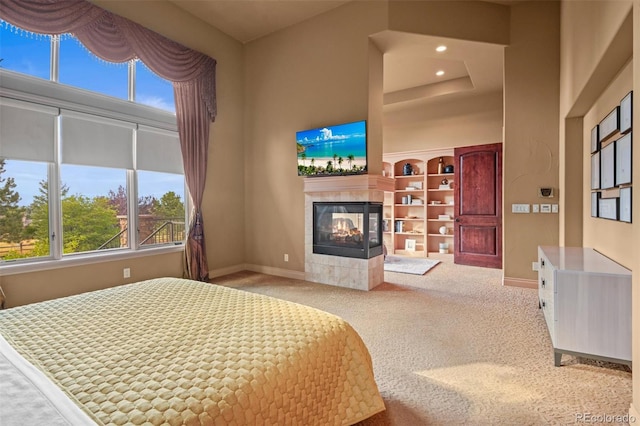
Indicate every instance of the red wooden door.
{"type": "Point", "coordinates": [478, 206]}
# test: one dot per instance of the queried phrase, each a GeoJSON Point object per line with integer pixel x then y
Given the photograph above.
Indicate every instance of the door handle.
{"type": "Point", "coordinates": [457, 219]}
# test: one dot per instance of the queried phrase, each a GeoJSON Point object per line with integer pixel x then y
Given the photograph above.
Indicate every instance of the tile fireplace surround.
{"type": "Point", "coordinates": [360, 274]}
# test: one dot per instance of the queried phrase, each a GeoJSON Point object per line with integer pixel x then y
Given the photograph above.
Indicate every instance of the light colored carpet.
{"type": "Point", "coordinates": [455, 347]}
{"type": "Point", "coordinates": [409, 265]}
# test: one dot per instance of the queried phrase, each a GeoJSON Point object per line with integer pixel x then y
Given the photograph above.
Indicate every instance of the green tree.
{"type": "Point", "coordinates": [87, 223]}
{"type": "Point", "coordinates": [11, 214]}
{"type": "Point", "coordinates": [38, 229]}
{"type": "Point", "coordinates": [350, 157]}
{"type": "Point", "coordinates": [170, 206]}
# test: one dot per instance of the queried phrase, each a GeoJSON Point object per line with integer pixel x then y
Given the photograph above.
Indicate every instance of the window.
{"type": "Point", "coordinates": [161, 216]}
{"type": "Point", "coordinates": [24, 52]}
{"type": "Point", "coordinates": [116, 166]}
{"type": "Point", "coordinates": [81, 68]}
{"type": "Point", "coordinates": [152, 90]}
{"type": "Point", "coordinates": [92, 219]}
{"type": "Point", "coordinates": [24, 211]}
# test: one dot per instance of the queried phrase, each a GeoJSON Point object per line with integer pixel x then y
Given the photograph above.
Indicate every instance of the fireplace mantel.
{"type": "Point", "coordinates": [348, 183]}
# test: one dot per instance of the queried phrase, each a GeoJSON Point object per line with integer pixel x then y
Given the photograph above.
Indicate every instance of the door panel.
{"type": "Point", "coordinates": [478, 201]}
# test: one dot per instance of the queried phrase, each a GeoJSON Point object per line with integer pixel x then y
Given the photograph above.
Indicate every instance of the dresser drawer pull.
{"type": "Point", "coordinates": [542, 262]}
{"type": "Point", "coordinates": [543, 304]}
{"type": "Point", "coordinates": [543, 283]}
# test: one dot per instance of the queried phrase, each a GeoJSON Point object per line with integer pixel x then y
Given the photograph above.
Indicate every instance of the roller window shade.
{"type": "Point", "coordinates": [158, 150]}
{"type": "Point", "coordinates": [27, 130]}
{"type": "Point", "coordinates": [96, 141]}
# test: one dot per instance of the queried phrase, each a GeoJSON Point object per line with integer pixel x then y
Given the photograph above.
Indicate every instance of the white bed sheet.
{"type": "Point", "coordinates": [28, 397]}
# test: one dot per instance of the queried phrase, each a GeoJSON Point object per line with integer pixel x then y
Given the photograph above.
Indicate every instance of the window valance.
{"type": "Point", "coordinates": [117, 39]}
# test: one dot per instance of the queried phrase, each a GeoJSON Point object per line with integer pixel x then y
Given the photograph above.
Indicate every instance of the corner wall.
{"type": "Point", "coordinates": [309, 75]}
{"type": "Point", "coordinates": [598, 38]}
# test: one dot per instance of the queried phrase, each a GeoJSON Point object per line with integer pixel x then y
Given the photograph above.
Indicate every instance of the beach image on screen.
{"type": "Point", "coordinates": [339, 149]}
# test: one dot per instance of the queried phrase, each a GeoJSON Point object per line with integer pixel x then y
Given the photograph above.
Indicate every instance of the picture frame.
{"type": "Point", "coordinates": [608, 208]}
{"type": "Point", "coordinates": [625, 204]}
{"type": "Point", "coordinates": [595, 171]}
{"type": "Point", "coordinates": [608, 166]}
{"type": "Point", "coordinates": [623, 160]}
{"type": "Point", "coordinates": [626, 112]}
{"type": "Point", "coordinates": [595, 199]}
{"type": "Point", "coordinates": [410, 245]}
{"type": "Point", "coordinates": [595, 141]}
{"type": "Point", "coordinates": [609, 125]}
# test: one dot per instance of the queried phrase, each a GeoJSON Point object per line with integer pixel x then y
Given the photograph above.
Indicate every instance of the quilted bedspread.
{"type": "Point", "coordinates": [174, 351]}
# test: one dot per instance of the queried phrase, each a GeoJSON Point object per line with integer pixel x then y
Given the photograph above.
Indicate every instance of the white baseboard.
{"type": "Point", "coordinates": [226, 271]}
{"type": "Point", "coordinates": [520, 282]}
{"type": "Point", "coordinates": [269, 270]}
{"type": "Point", "coordinates": [279, 272]}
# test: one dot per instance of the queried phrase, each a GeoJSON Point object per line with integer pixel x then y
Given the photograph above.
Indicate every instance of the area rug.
{"type": "Point", "coordinates": [409, 265]}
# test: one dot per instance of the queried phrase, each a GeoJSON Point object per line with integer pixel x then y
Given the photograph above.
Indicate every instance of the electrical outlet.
{"type": "Point", "coordinates": [286, 257]}
{"type": "Point", "coordinates": [534, 266]}
{"type": "Point", "coordinates": [126, 272]}
{"type": "Point", "coordinates": [545, 208]}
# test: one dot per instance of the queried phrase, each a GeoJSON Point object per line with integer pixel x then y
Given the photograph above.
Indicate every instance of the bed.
{"type": "Point", "coordinates": [175, 351]}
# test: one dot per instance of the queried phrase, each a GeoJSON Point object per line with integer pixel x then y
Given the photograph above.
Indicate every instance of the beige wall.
{"type": "Point", "coordinates": [466, 20]}
{"type": "Point", "coordinates": [308, 75]}
{"type": "Point", "coordinates": [531, 132]}
{"type": "Point", "coordinates": [598, 39]}
{"type": "Point", "coordinates": [53, 283]}
{"type": "Point", "coordinates": [223, 203]}
{"type": "Point", "coordinates": [445, 124]}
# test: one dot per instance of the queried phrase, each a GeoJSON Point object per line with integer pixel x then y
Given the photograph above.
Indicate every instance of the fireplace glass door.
{"type": "Point", "coordinates": [349, 229]}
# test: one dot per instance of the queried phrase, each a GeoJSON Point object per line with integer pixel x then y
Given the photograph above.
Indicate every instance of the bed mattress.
{"type": "Point", "coordinates": [175, 351]}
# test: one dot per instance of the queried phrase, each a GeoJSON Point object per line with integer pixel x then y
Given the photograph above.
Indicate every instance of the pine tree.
{"type": "Point", "coordinates": [11, 214]}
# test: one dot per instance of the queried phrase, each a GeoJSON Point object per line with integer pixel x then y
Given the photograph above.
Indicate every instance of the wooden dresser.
{"type": "Point", "coordinates": [586, 301]}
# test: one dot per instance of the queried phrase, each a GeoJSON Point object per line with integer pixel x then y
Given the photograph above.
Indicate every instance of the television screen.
{"type": "Point", "coordinates": [333, 150]}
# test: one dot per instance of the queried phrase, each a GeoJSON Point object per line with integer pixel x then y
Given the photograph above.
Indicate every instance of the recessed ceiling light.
{"type": "Point", "coordinates": [440, 73]}
{"type": "Point", "coordinates": [441, 48]}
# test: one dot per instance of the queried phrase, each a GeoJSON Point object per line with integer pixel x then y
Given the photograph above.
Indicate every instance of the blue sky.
{"type": "Point", "coordinates": [30, 54]}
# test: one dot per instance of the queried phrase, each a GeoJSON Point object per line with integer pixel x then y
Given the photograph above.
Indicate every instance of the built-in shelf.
{"type": "Point", "coordinates": [423, 229]}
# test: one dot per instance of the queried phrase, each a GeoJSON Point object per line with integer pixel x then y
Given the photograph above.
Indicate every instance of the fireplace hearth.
{"type": "Point", "coordinates": [347, 229]}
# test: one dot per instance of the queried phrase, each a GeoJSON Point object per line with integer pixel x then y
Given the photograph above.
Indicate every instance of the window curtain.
{"type": "Point", "coordinates": [116, 39]}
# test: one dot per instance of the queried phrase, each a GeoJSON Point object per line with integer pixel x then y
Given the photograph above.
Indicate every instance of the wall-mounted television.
{"type": "Point", "coordinates": [340, 149]}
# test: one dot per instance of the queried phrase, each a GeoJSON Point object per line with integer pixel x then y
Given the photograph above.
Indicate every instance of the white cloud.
{"type": "Point", "coordinates": [156, 102]}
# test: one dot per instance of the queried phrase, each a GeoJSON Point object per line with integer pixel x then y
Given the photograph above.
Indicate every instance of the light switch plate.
{"type": "Point", "coordinates": [554, 208]}
{"type": "Point", "coordinates": [519, 208]}
{"type": "Point", "coordinates": [536, 208]}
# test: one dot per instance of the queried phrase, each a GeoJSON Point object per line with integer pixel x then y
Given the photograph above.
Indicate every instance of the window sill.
{"type": "Point", "coordinates": [13, 267]}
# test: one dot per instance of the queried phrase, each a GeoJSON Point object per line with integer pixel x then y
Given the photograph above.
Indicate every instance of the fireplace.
{"type": "Point", "coordinates": [348, 229]}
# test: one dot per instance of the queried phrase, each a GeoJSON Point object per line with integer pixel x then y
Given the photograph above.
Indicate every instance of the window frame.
{"type": "Point", "coordinates": [36, 90]}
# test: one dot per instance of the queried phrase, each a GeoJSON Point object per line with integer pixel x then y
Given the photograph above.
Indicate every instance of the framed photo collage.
{"type": "Point", "coordinates": [611, 164]}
